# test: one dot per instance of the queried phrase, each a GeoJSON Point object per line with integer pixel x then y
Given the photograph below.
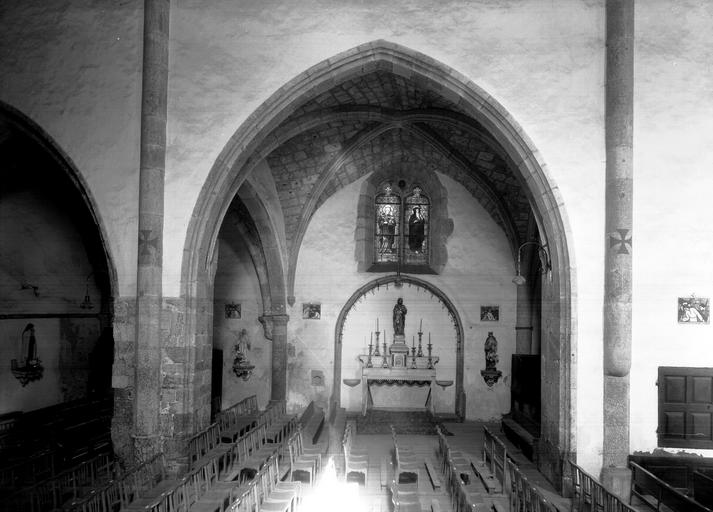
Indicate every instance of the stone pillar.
{"type": "Point", "coordinates": [276, 330]}
{"type": "Point", "coordinates": [150, 241]}
{"type": "Point", "coordinates": [618, 260]}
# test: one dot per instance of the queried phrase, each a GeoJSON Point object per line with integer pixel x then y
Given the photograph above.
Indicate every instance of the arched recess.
{"type": "Point", "coordinates": [240, 156]}
{"type": "Point", "coordinates": [12, 119]}
{"type": "Point", "coordinates": [397, 280]}
{"type": "Point", "coordinates": [65, 258]}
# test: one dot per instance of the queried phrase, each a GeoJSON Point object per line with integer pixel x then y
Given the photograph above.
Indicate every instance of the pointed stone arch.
{"type": "Point", "coordinates": [16, 120]}
{"type": "Point", "coordinates": [240, 155]}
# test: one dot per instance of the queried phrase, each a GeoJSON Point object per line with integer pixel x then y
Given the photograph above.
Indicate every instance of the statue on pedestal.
{"type": "Point", "coordinates": [399, 317]}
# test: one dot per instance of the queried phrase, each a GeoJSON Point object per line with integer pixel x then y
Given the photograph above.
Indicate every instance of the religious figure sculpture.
{"type": "Point", "coordinates": [399, 317]}
{"type": "Point", "coordinates": [416, 230]}
{"type": "Point", "coordinates": [491, 374]}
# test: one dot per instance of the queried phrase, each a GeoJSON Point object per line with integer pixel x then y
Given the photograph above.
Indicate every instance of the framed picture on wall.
{"type": "Point", "coordinates": [489, 313]}
{"type": "Point", "coordinates": [233, 311]}
{"type": "Point", "coordinates": [693, 310]}
{"type": "Point", "coordinates": [311, 311]}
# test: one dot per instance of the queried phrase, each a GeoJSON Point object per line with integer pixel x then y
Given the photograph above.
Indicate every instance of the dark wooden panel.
{"type": "Point", "coordinates": [701, 390]}
{"type": "Point", "coordinates": [685, 407]}
{"type": "Point", "coordinates": [675, 387]}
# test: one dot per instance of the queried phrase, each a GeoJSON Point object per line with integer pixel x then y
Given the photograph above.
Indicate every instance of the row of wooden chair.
{"type": "Point", "coordinates": [251, 475]}
{"type": "Point", "coordinates": [356, 460]}
{"type": "Point", "coordinates": [523, 495]}
{"type": "Point", "coordinates": [213, 442]}
{"type": "Point", "coordinates": [135, 489]}
{"type": "Point", "coordinates": [407, 464]}
{"type": "Point", "coordinates": [456, 469]}
{"type": "Point", "coordinates": [64, 489]}
{"type": "Point", "coordinates": [238, 418]}
{"type": "Point", "coordinates": [495, 457]}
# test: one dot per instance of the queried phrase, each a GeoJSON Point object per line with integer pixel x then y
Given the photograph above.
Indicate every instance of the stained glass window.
{"type": "Point", "coordinates": [388, 227]}
{"type": "Point", "coordinates": [402, 227]}
{"type": "Point", "coordinates": [416, 228]}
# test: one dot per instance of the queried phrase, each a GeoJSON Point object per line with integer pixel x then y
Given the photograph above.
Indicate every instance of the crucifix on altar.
{"type": "Point", "coordinates": [393, 365]}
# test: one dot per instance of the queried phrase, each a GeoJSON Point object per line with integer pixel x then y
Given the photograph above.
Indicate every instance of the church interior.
{"type": "Point", "coordinates": [284, 255]}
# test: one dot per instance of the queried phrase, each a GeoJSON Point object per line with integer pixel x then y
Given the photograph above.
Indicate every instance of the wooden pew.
{"type": "Point", "coordinates": [654, 492]}
{"type": "Point", "coordinates": [703, 489]}
{"type": "Point", "coordinates": [311, 424]}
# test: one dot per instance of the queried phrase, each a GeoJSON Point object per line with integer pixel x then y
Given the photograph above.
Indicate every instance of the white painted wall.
{"type": "Point", "coordinates": [673, 108]}
{"type": "Point", "coordinates": [74, 68]}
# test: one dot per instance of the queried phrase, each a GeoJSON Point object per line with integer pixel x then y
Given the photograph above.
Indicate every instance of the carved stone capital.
{"type": "Point", "coordinates": [270, 321]}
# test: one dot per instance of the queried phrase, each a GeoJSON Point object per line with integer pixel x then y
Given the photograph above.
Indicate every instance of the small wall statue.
{"type": "Point", "coordinates": [241, 366]}
{"type": "Point", "coordinates": [491, 374]}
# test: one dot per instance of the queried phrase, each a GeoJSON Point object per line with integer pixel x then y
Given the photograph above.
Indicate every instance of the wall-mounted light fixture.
{"type": "Point", "coordinates": [27, 286]}
{"type": "Point", "coordinates": [545, 264]}
{"type": "Point", "coordinates": [29, 367]}
{"type": "Point", "coordinates": [87, 302]}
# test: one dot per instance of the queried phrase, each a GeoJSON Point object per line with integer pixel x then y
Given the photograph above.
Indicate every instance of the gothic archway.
{"type": "Point", "coordinates": [248, 146]}
{"type": "Point", "coordinates": [398, 280]}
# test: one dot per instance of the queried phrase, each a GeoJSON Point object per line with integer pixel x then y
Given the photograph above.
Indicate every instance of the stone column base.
{"type": "Point", "coordinates": [617, 481]}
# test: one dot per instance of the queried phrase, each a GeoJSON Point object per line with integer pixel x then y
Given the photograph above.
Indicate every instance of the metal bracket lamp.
{"type": "Point", "coordinates": [545, 263]}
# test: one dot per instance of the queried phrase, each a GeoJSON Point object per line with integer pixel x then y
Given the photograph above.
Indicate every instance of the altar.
{"type": "Point", "coordinates": [398, 365]}
{"type": "Point", "coordinates": [420, 375]}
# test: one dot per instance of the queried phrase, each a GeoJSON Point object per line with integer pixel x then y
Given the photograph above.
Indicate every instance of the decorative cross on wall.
{"type": "Point", "coordinates": [146, 243]}
{"type": "Point", "coordinates": [620, 238]}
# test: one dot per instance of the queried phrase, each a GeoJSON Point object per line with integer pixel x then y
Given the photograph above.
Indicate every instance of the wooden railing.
{"type": "Point", "coordinates": [590, 495]}
{"type": "Point", "coordinates": [654, 492]}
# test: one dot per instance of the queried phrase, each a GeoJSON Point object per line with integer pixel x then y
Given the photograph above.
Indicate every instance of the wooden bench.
{"type": "Point", "coordinates": [703, 489]}
{"type": "Point", "coordinates": [312, 424]}
{"type": "Point", "coordinates": [435, 481]}
{"type": "Point", "coordinates": [384, 473]}
{"type": "Point", "coordinates": [654, 492]}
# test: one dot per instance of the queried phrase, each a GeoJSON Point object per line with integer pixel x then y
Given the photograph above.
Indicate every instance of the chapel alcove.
{"type": "Point", "coordinates": [56, 302]}
{"type": "Point", "coordinates": [383, 109]}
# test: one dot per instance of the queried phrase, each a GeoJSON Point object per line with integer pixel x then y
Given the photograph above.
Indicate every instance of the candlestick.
{"type": "Point", "coordinates": [368, 361]}
{"type": "Point", "coordinates": [420, 350]}
{"type": "Point", "coordinates": [413, 357]}
{"type": "Point", "coordinates": [376, 352]}
{"type": "Point", "coordinates": [384, 361]}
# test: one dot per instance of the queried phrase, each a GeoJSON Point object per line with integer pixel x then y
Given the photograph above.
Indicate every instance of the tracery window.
{"type": "Point", "coordinates": [402, 225]}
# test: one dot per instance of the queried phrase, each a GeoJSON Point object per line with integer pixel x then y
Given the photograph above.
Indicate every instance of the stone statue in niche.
{"type": "Point", "coordinates": [491, 374]}
{"type": "Point", "coordinates": [399, 317]}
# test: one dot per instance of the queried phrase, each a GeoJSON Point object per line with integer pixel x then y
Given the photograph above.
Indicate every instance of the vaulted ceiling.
{"type": "Point", "coordinates": [383, 121]}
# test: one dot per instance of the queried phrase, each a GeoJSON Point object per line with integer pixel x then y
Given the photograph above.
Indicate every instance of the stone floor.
{"type": "Point", "coordinates": [467, 437]}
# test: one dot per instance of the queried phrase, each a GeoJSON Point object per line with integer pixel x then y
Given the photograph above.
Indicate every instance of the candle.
{"type": "Point", "coordinates": [413, 341]}
{"type": "Point", "coordinates": [377, 323]}
{"type": "Point", "coordinates": [429, 337]}
{"type": "Point", "coordinates": [420, 326]}
{"type": "Point", "coordinates": [371, 337]}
